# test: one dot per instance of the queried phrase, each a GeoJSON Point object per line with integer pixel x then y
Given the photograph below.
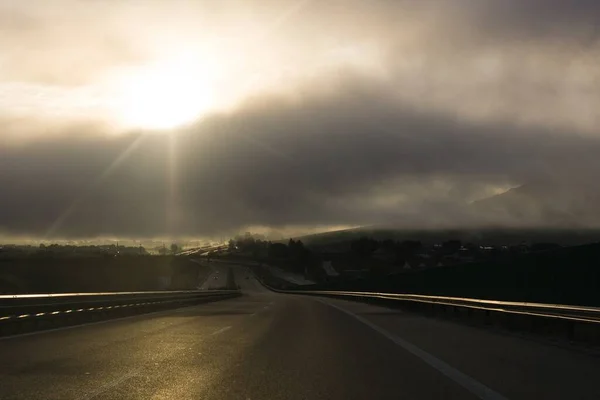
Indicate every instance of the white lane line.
{"type": "Point", "coordinates": [221, 330]}
{"type": "Point", "coordinates": [107, 321]}
{"type": "Point", "coordinates": [472, 385]}
{"type": "Point", "coordinates": [104, 388]}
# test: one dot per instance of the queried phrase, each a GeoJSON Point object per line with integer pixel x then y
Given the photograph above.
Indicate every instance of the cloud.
{"type": "Point", "coordinates": [348, 157]}
{"type": "Point", "coordinates": [539, 19]}
{"type": "Point", "coordinates": [350, 114]}
{"type": "Point", "coordinates": [533, 62]}
{"type": "Point", "coordinates": [43, 44]}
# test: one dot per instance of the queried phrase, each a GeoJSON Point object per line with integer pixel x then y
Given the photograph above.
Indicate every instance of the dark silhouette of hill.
{"type": "Point", "coordinates": [565, 204]}
{"type": "Point", "coordinates": [563, 211]}
{"type": "Point", "coordinates": [499, 235]}
{"type": "Point", "coordinates": [569, 275]}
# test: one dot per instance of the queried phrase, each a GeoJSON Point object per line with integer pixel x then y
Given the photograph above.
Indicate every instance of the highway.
{"type": "Point", "coordinates": [217, 278]}
{"type": "Point", "coordinates": [273, 346]}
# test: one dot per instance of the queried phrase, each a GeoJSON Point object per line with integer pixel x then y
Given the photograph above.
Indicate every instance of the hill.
{"type": "Point", "coordinates": [564, 276]}
{"type": "Point", "coordinates": [570, 205]}
{"type": "Point", "coordinates": [496, 236]}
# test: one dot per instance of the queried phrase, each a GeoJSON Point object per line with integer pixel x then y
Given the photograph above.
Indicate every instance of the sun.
{"type": "Point", "coordinates": [165, 95]}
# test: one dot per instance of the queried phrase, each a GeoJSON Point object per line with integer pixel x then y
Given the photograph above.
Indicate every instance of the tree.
{"type": "Point", "coordinates": [451, 246]}
{"type": "Point", "coordinates": [364, 247]}
{"type": "Point", "coordinates": [174, 248]}
{"type": "Point", "coordinates": [388, 246]}
{"type": "Point", "coordinates": [278, 250]}
{"type": "Point", "coordinates": [412, 247]}
{"type": "Point", "coordinates": [544, 246]}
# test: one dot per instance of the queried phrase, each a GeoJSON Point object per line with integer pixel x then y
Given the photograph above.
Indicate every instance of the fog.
{"type": "Point", "coordinates": [146, 119]}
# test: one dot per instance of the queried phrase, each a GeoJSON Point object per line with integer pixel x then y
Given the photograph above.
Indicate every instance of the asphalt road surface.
{"type": "Point", "coordinates": [269, 346]}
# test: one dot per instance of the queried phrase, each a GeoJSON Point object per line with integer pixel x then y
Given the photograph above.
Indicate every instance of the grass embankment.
{"type": "Point", "coordinates": [98, 274]}
{"type": "Point", "coordinates": [568, 275]}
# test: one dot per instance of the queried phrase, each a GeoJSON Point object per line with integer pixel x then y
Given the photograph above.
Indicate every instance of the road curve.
{"type": "Point", "coordinates": [268, 346]}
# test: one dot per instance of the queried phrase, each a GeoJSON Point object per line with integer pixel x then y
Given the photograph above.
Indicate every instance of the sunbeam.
{"type": "Point", "coordinates": [62, 218]}
{"type": "Point", "coordinates": [172, 212]}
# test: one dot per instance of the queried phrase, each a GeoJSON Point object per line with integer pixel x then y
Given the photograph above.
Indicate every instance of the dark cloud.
{"type": "Point", "coordinates": [463, 22]}
{"type": "Point", "coordinates": [395, 112]}
{"type": "Point", "coordinates": [355, 156]}
{"type": "Point", "coordinates": [537, 18]}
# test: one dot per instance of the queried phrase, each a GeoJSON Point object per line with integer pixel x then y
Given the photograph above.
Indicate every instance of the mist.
{"type": "Point", "coordinates": [309, 116]}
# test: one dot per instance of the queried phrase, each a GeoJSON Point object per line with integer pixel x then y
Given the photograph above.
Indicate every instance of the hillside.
{"type": "Point", "coordinates": [490, 236]}
{"type": "Point", "coordinates": [565, 276]}
{"type": "Point", "coordinates": [543, 204]}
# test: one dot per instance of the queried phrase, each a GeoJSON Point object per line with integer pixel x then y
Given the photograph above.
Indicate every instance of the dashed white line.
{"type": "Point", "coordinates": [107, 321]}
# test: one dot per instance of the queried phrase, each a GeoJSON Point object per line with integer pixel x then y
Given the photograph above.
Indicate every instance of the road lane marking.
{"type": "Point", "coordinates": [221, 330]}
{"type": "Point", "coordinates": [471, 384]}
{"type": "Point", "coordinates": [64, 328]}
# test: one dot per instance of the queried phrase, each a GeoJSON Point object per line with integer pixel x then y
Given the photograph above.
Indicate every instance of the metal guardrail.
{"type": "Point", "coordinates": [556, 311]}
{"type": "Point", "coordinates": [23, 307]}
{"type": "Point", "coordinates": [576, 323]}
{"type": "Point", "coordinates": [568, 313]}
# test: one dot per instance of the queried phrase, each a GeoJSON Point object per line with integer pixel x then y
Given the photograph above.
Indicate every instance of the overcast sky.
{"type": "Point", "coordinates": [167, 118]}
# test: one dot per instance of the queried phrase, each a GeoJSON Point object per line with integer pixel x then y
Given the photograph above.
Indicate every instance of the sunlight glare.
{"type": "Point", "coordinates": [166, 95]}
